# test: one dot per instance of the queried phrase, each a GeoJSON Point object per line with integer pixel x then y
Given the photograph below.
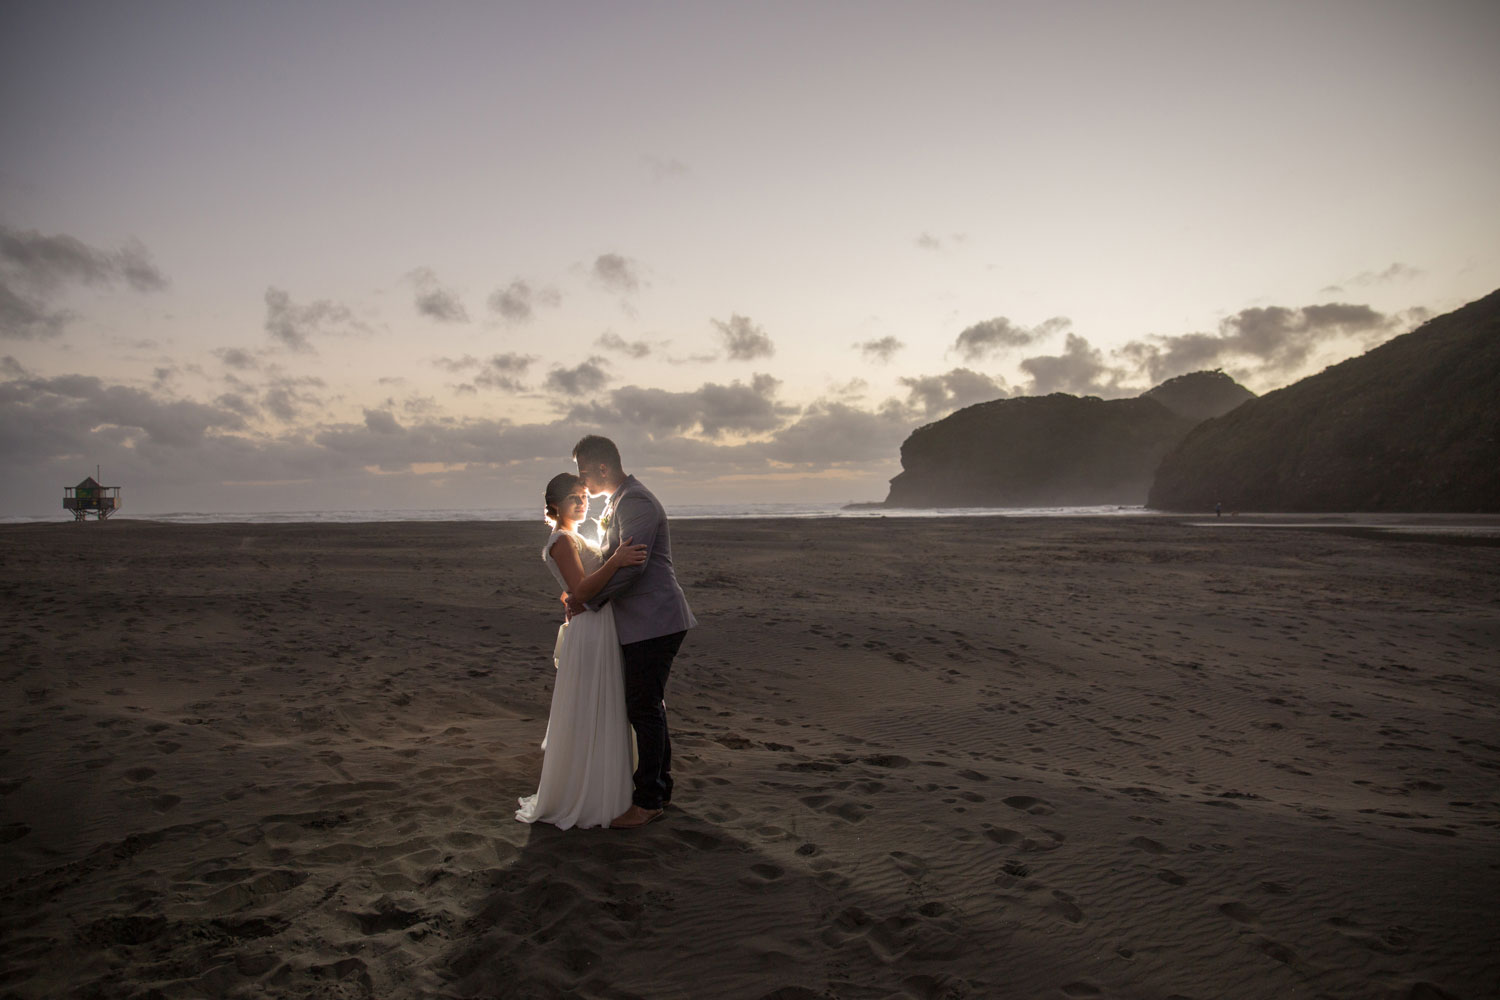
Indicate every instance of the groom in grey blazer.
{"type": "Point", "coordinates": [651, 617]}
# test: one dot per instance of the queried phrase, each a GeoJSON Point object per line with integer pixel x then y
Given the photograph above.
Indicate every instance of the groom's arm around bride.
{"type": "Point", "coordinates": [651, 616]}
{"type": "Point", "coordinates": [635, 513]}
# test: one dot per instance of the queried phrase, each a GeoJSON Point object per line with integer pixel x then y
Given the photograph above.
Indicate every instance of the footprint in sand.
{"type": "Point", "coordinates": [388, 917]}
{"type": "Point", "coordinates": [1239, 913]}
{"type": "Point", "coordinates": [700, 841]}
{"type": "Point", "coordinates": [1278, 951]}
{"type": "Point", "coordinates": [1148, 845]}
{"type": "Point", "coordinates": [851, 812]}
{"type": "Point", "coordinates": [1393, 940]}
{"type": "Point", "coordinates": [1063, 905]}
{"type": "Point", "coordinates": [886, 760]}
{"type": "Point", "coordinates": [761, 875]}
{"type": "Point", "coordinates": [255, 889]}
{"type": "Point", "coordinates": [910, 865]}
{"type": "Point", "coordinates": [794, 992]}
{"type": "Point", "coordinates": [1027, 804]}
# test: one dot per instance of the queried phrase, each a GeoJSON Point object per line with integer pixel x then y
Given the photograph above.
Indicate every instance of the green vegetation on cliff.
{"type": "Point", "coordinates": [1413, 425]}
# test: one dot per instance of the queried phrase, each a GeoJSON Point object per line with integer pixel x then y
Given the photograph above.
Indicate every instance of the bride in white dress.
{"type": "Point", "coordinates": [586, 762]}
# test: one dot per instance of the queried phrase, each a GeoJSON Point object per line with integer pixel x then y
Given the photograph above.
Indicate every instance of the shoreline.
{"type": "Point", "coordinates": [1436, 528]}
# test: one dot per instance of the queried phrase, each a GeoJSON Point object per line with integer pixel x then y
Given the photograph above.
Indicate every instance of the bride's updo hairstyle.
{"type": "Point", "coordinates": [560, 486]}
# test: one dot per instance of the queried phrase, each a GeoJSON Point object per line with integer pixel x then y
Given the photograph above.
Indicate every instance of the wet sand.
{"type": "Point", "coordinates": [947, 758]}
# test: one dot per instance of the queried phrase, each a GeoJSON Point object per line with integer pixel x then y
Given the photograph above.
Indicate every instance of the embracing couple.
{"type": "Point", "coordinates": [626, 619]}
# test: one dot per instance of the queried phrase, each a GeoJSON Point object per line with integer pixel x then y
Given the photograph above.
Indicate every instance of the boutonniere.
{"type": "Point", "coordinates": [604, 520]}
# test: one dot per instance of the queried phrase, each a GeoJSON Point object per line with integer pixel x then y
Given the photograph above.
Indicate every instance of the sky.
{"type": "Point", "coordinates": [309, 256]}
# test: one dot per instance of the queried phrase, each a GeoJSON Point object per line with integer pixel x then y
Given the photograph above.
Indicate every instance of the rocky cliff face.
{"type": "Point", "coordinates": [1413, 425]}
{"type": "Point", "coordinates": [1057, 450]}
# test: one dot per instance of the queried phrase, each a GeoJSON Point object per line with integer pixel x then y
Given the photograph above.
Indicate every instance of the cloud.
{"type": "Point", "coordinates": [855, 388]}
{"type": "Point", "coordinates": [1080, 370]}
{"type": "Point", "coordinates": [743, 339]}
{"type": "Point", "coordinates": [881, 350]}
{"type": "Point", "coordinates": [435, 301]}
{"type": "Point", "coordinates": [505, 372]}
{"type": "Point", "coordinates": [34, 267]}
{"type": "Point", "coordinates": [72, 415]}
{"type": "Point", "coordinates": [664, 168]}
{"type": "Point", "coordinates": [234, 357]}
{"type": "Point", "coordinates": [381, 422]}
{"type": "Point", "coordinates": [518, 301]}
{"type": "Point", "coordinates": [175, 453]}
{"type": "Point", "coordinates": [25, 318]}
{"type": "Point", "coordinates": [455, 366]}
{"type": "Point", "coordinates": [421, 406]}
{"type": "Point", "coordinates": [1397, 272]}
{"type": "Point", "coordinates": [1274, 339]}
{"type": "Point", "coordinates": [993, 336]}
{"type": "Point", "coordinates": [294, 326]}
{"type": "Point", "coordinates": [134, 264]}
{"type": "Point", "coordinates": [933, 396]}
{"type": "Point", "coordinates": [616, 273]}
{"type": "Point", "coordinates": [501, 371]}
{"type": "Point", "coordinates": [47, 262]}
{"type": "Point", "coordinates": [478, 443]}
{"type": "Point", "coordinates": [927, 241]}
{"type": "Point", "coordinates": [583, 379]}
{"type": "Point", "coordinates": [611, 341]}
{"type": "Point", "coordinates": [831, 433]}
{"type": "Point", "coordinates": [287, 398]}
{"type": "Point", "coordinates": [11, 367]}
{"type": "Point", "coordinates": [711, 409]}
{"type": "Point", "coordinates": [237, 403]}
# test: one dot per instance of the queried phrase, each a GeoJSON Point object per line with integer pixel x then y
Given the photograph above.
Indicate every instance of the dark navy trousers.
{"type": "Point", "coordinates": [647, 664]}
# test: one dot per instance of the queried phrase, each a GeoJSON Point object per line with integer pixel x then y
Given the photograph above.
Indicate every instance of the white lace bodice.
{"type": "Point", "coordinates": [588, 553]}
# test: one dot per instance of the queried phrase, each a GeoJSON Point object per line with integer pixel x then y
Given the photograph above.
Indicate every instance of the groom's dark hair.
{"type": "Point", "coordinates": [593, 448]}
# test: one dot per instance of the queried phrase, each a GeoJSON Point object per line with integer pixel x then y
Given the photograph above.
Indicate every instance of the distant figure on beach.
{"type": "Point", "coordinates": [585, 778]}
{"type": "Point", "coordinates": [1218, 509]}
{"type": "Point", "coordinates": [650, 613]}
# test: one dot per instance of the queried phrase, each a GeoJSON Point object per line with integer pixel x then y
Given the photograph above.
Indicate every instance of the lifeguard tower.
{"type": "Point", "coordinates": [88, 497]}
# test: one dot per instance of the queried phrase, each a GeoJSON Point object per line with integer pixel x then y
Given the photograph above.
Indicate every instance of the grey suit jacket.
{"type": "Point", "coordinates": [647, 599]}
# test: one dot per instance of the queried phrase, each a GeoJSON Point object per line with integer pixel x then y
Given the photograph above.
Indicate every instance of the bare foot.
{"type": "Point", "coordinates": [634, 818]}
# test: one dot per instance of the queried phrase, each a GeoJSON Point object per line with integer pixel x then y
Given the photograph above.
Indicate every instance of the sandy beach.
{"type": "Point", "coordinates": [943, 758]}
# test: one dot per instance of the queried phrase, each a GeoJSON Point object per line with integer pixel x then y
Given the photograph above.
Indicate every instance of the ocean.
{"type": "Point", "coordinates": [676, 511]}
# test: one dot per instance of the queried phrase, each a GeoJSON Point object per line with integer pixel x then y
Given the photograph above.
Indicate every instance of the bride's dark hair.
{"type": "Point", "coordinates": [560, 486]}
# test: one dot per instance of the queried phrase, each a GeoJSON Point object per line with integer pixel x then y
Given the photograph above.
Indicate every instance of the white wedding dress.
{"type": "Point", "coordinates": [587, 751]}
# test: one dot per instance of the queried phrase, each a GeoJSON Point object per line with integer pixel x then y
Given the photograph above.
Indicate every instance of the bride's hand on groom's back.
{"type": "Point", "coordinates": [628, 554]}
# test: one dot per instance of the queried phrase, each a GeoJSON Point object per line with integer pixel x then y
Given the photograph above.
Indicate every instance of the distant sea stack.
{"type": "Point", "coordinates": [1413, 425]}
{"type": "Point", "coordinates": [1057, 450]}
